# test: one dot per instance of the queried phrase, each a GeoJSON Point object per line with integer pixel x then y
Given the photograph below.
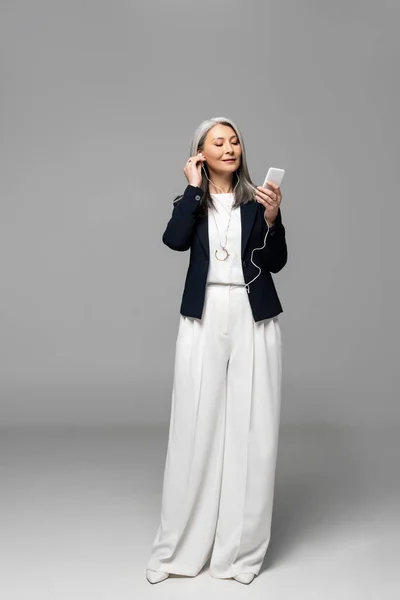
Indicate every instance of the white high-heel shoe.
{"type": "Point", "coordinates": [244, 577]}
{"type": "Point", "coordinates": [156, 576]}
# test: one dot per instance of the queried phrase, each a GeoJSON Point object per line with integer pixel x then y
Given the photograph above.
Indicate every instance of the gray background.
{"type": "Point", "coordinates": [99, 101]}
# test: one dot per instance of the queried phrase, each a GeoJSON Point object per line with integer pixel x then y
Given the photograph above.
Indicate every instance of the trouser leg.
{"type": "Point", "coordinates": [251, 439]}
{"type": "Point", "coordinates": [194, 460]}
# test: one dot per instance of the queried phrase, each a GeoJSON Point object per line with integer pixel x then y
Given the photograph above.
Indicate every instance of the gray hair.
{"type": "Point", "coordinates": [245, 189]}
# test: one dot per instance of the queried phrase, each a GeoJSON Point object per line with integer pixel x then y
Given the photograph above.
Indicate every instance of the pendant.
{"type": "Point", "coordinates": [227, 254]}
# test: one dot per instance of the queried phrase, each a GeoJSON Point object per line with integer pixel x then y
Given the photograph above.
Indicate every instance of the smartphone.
{"type": "Point", "coordinates": [275, 175]}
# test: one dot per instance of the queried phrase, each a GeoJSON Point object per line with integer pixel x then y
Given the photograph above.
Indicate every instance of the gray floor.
{"type": "Point", "coordinates": [80, 508]}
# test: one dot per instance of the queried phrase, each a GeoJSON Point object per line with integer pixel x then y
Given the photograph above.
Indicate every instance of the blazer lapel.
{"type": "Point", "coordinates": [247, 214]}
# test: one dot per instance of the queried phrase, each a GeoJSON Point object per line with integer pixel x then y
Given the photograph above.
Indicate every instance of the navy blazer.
{"type": "Point", "coordinates": [187, 229]}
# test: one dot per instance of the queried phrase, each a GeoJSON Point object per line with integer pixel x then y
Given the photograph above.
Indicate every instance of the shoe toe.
{"type": "Point", "coordinates": [156, 576]}
{"type": "Point", "coordinates": [244, 577]}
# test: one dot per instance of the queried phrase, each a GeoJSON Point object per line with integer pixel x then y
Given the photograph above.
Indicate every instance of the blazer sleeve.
{"type": "Point", "coordinates": [179, 231]}
{"type": "Point", "coordinates": [274, 255]}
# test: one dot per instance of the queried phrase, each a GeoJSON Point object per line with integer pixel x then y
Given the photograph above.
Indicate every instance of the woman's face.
{"type": "Point", "coordinates": [222, 143]}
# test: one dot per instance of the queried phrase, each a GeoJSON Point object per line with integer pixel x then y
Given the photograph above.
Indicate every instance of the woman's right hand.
{"type": "Point", "coordinates": [192, 169]}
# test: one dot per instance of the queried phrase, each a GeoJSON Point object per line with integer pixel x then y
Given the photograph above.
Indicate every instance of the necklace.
{"type": "Point", "coordinates": [226, 237]}
{"type": "Point", "coordinates": [229, 222]}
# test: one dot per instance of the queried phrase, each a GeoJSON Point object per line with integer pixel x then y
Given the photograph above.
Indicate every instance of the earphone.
{"type": "Point", "coordinates": [251, 258]}
{"type": "Point", "coordinates": [247, 285]}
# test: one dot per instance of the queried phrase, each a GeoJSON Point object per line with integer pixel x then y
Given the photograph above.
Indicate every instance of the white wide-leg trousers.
{"type": "Point", "coordinates": [219, 472]}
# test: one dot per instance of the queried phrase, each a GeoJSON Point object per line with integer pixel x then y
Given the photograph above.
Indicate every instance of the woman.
{"type": "Point", "coordinates": [220, 466]}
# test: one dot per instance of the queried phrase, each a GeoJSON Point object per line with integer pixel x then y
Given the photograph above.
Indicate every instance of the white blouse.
{"type": "Point", "coordinates": [229, 270]}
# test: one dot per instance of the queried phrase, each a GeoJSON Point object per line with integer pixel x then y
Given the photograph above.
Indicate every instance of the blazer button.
{"type": "Point", "coordinates": [245, 263]}
{"type": "Point", "coordinates": [197, 197]}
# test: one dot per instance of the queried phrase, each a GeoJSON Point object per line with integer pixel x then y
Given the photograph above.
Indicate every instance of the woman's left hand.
{"type": "Point", "coordinates": [271, 199]}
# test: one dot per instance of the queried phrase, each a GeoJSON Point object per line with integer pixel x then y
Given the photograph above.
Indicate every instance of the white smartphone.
{"type": "Point", "coordinates": [275, 175]}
